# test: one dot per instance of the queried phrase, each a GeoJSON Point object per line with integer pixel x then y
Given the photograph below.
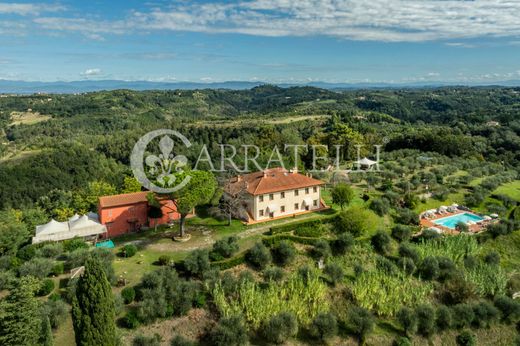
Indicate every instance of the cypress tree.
{"type": "Point", "coordinates": [93, 313]}
{"type": "Point", "coordinates": [46, 332]}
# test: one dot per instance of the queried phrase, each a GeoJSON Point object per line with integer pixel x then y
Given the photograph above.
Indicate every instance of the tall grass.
{"type": "Point", "coordinates": [454, 247]}
{"type": "Point", "coordinates": [305, 298]}
{"type": "Point", "coordinates": [488, 280]}
{"type": "Point", "coordinates": [386, 293]}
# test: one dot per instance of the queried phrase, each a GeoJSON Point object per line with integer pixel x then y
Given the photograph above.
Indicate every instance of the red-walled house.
{"type": "Point", "coordinates": [128, 212]}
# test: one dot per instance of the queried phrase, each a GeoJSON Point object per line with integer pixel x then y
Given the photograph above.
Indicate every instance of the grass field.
{"type": "Point", "coordinates": [511, 189]}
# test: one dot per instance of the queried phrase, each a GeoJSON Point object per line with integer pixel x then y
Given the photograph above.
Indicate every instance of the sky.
{"type": "Point", "coordinates": [349, 41]}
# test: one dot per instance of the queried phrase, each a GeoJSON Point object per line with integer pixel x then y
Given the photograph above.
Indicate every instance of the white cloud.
{"type": "Point", "coordinates": [91, 72]}
{"type": "Point", "coordinates": [24, 9]}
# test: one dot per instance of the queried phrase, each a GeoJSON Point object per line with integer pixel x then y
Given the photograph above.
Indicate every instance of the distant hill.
{"type": "Point", "coordinates": [30, 87]}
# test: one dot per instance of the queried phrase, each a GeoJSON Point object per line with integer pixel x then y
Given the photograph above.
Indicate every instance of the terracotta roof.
{"type": "Point", "coordinates": [271, 180]}
{"type": "Point", "coordinates": [123, 199]}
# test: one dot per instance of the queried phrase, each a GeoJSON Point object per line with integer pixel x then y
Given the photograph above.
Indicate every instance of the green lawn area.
{"type": "Point", "coordinates": [511, 189]}
{"type": "Point", "coordinates": [432, 203]}
{"type": "Point", "coordinates": [507, 246]}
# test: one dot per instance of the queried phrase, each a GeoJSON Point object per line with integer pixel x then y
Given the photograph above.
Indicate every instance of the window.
{"type": "Point", "coordinates": [282, 195]}
{"type": "Point", "coordinates": [282, 209]}
{"type": "Point", "coordinates": [315, 189]}
{"type": "Point", "coordinates": [296, 192]}
{"type": "Point", "coordinates": [296, 206]}
{"type": "Point", "coordinates": [261, 213]}
{"type": "Point", "coordinates": [261, 198]}
{"type": "Point", "coordinates": [307, 190]}
{"type": "Point", "coordinates": [315, 202]}
{"type": "Point", "coordinates": [271, 196]}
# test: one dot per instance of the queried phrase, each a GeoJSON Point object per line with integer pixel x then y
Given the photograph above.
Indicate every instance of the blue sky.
{"type": "Point", "coordinates": [262, 40]}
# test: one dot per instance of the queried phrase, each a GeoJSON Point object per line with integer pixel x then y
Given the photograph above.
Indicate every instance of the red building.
{"type": "Point", "coordinates": [128, 212]}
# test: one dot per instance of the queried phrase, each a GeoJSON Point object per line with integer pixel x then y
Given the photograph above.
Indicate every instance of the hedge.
{"type": "Point", "coordinates": [275, 239]}
{"type": "Point", "coordinates": [304, 223]}
{"type": "Point", "coordinates": [229, 262]}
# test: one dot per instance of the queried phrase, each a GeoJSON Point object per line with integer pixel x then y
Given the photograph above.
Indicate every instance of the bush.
{"type": "Point", "coordinates": [74, 244]}
{"type": "Point", "coordinates": [313, 223]}
{"type": "Point", "coordinates": [197, 262]}
{"type": "Point", "coordinates": [406, 250]}
{"type": "Point", "coordinates": [447, 269]}
{"type": "Point", "coordinates": [342, 243]}
{"type": "Point", "coordinates": [37, 267]}
{"type": "Point", "coordinates": [27, 252]}
{"type": "Point", "coordinates": [429, 268]}
{"type": "Point", "coordinates": [408, 320]}
{"type": "Point", "coordinates": [57, 311]}
{"type": "Point", "coordinates": [273, 274]}
{"type": "Point", "coordinates": [51, 250]}
{"type": "Point", "coordinates": [381, 206]}
{"type": "Point", "coordinates": [46, 287]}
{"type": "Point", "coordinates": [335, 272]}
{"type": "Point", "coordinates": [181, 341]}
{"type": "Point", "coordinates": [402, 232]}
{"type": "Point", "coordinates": [425, 320]}
{"type": "Point", "coordinates": [443, 318]}
{"type": "Point", "coordinates": [361, 322]}
{"type": "Point", "coordinates": [129, 250]}
{"type": "Point", "coordinates": [492, 258]}
{"type": "Point", "coordinates": [456, 290]}
{"type": "Point", "coordinates": [258, 256]}
{"type": "Point", "coordinates": [283, 253]}
{"type": "Point", "coordinates": [229, 332]}
{"type": "Point", "coordinates": [131, 321]}
{"type": "Point", "coordinates": [464, 316]}
{"type": "Point", "coordinates": [402, 341]}
{"type": "Point", "coordinates": [406, 265]}
{"type": "Point", "coordinates": [509, 309]}
{"type": "Point", "coordinates": [58, 269]}
{"type": "Point", "coordinates": [470, 262]}
{"type": "Point", "coordinates": [311, 232]}
{"type": "Point", "coordinates": [280, 327]}
{"type": "Point", "coordinates": [224, 248]}
{"type": "Point", "coordinates": [128, 294]}
{"type": "Point", "coordinates": [407, 217]}
{"type": "Point", "coordinates": [466, 338]}
{"type": "Point", "coordinates": [321, 249]}
{"type": "Point", "coordinates": [164, 260]}
{"type": "Point", "coordinates": [324, 326]}
{"type": "Point", "coordinates": [142, 340]}
{"type": "Point", "coordinates": [353, 221]}
{"type": "Point", "coordinates": [381, 242]}
{"type": "Point", "coordinates": [485, 314]}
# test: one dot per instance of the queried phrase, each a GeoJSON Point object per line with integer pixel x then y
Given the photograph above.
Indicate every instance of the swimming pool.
{"type": "Point", "coordinates": [452, 221]}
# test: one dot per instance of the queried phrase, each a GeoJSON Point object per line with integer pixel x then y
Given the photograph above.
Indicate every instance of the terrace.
{"type": "Point", "coordinates": [445, 219]}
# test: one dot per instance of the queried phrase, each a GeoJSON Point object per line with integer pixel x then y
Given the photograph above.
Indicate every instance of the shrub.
{"type": "Point", "coordinates": [462, 227]}
{"type": "Point", "coordinates": [470, 262]}
{"type": "Point", "coordinates": [456, 290]}
{"type": "Point", "coordinates": [406, 250]}
{"type": "Point", "coordinates": [128, 294]}
{"type": "Point", "coordinates": [74, 244]}
{"type": "Point", "coordinates": [406, 265]}
{"type": "Point", "coordinates": [280, 328]}
{"type": "Point", "coordinates": [164, 260]}
{"type": "Point", "coordinates": [57, 311]}
{"type": "Point", "coordinates": [401, 232]}
{"type": "Point", "coordinates": [58, 269]}
{"type": "Point", "coordinates": [197, 262]}
{"type": "Point", "coordinates": [335, 272]}
{"type": "Point", "coordinates": [229, 331]}
{"type": "Point", "coordinates": [224, 248]}
{"type": "Point", "coordinates": [407, 217]}
{"type": "Point", "coordinates": [181, 341]}
{"type": "Point", "coordinates": [466, 338]}
{"type": "Point", "coordinates": [311, 231]}
{"type": "Point", "coordinates": [402, 341]}
{"type": "Point", "coordinates": [321, 249]}
{"type": "Point", "coordinates": [425, 320]}
{"type": "Point", "coordinates": [381, 242]}
{"type": "Point", "coordinates": [485, 314]}
{"type": "Point", "coordinates": [46, 287]}
{"type": "Point", "coordinates": [283, 253]}
{"type": "Point", "coordinates": [342, 243]}
{"type": "Point", "coordinates": [408, 320]}
{"type": "Point", "coordinates": [129, 250]}
{"type": "Point", "coordinates": [324, 326]}
{"type": "Point", "coordinates": [37, 267]}
{"type": "Point", "coordinates": [361, 322]}
{"type": "Point", "coordinates": [464, 315]}
{"type": "Point", "coordinates": [429, 268]}
{"type": "Point", "coordinates": [273, 274]}
{"type": "Point", "coordinates": [381, 206]}
{"type": "Point", "coordinates": [131, 321]}
{"type": "Point", "coordinates": [492, 258]}
{"type": "Point", "coordinates": [509, 309]}
{"type": "Point", "coordinates": [443, 318]}
{"type": "Point", "coordinates": [353, 221]}
{"type": "Point", "coordinates": [27, 252]}
{"type": "Point", "coordinates": [51, 250]}
{"type": "Point", "coordinates": [258, 256]}
{"type": "Point", "coordinates": [447, 269]}
{"type": "Point", "coordinates": [142, 340]}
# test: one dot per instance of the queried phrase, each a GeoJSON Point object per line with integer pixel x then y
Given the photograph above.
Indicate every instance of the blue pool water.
{"type": "Point", "coordinates": [109, 244]}
{"type": "Point", "coordinates": [452, 221]}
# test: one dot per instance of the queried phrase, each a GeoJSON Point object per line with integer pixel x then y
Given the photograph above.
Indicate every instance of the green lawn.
{"type": "Point", "coordinates": [432, 203]}
{"type": "Point", "coordinates": [511, 189]}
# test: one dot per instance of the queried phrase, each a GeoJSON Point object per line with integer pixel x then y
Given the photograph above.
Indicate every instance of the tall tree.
{"type": "Point", "coordinates": [342, 195]}
{"type": "Point", "coordinates": [13, 232]}
{"type": "Point", "coordinates": [21, 315]}
{"type": "Point", "coordinates": [199, 191]}
{"type": "Point", "coordinates": [93, 314]}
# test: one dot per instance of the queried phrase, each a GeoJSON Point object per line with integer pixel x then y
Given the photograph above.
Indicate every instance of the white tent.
{"type": "Point", "coordinates": [80, 226]}
{"type": "Point", "coordinates": [365, 162]}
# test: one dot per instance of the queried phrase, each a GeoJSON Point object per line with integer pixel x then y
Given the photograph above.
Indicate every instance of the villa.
{"type": "Point", "coordinates": [277, 193]}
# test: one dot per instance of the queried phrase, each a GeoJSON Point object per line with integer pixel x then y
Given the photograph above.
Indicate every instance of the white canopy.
{"type": "Point", "coordinates": [272, 208]}
{"type": "Point", "coordinates": [366, 162]}
{"type": "Point", "coordinates": [74, 218]}
{"type": "Point", "coordinates": [81, 226]}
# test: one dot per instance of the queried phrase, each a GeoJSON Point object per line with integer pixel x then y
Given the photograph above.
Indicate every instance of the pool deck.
{"type": "Point", "coordinates": [429, 222]}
